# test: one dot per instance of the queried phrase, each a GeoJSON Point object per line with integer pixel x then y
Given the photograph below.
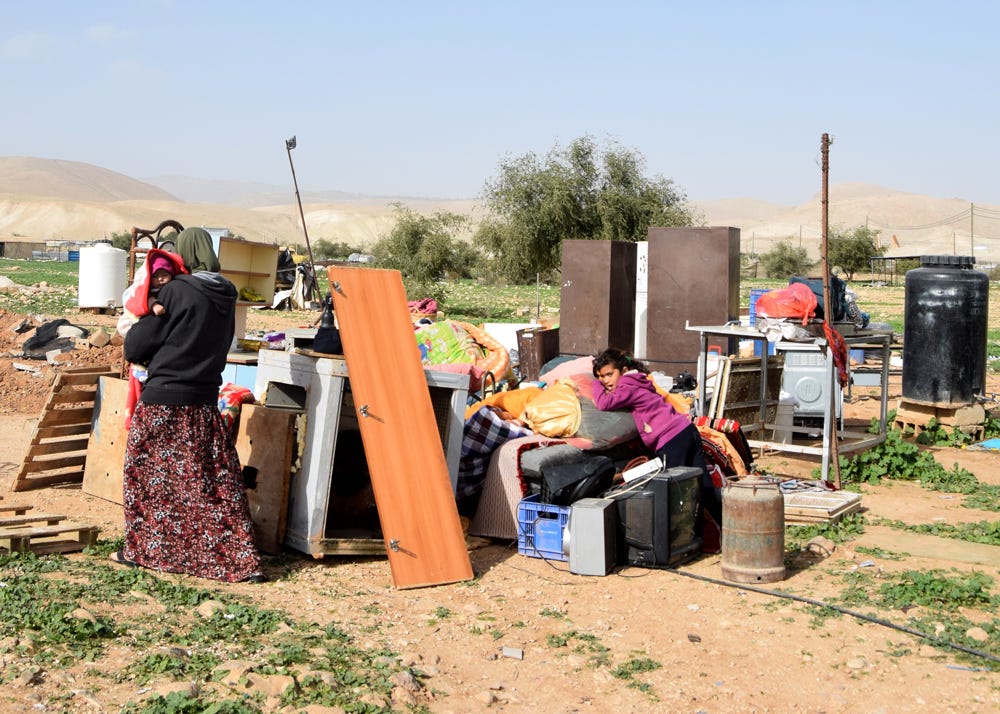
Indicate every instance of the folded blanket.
{"type": "Point", "coordinates": [483, 434]}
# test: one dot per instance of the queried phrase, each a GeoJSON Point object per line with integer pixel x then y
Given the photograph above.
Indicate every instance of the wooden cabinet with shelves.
{"type": "Point", "coordinates": [249, 265]}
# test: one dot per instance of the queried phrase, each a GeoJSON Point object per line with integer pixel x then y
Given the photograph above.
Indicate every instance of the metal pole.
{"type": "Point", "coordinates": [289, 145]}
{"type": "Point", "coordinates": [830, 426]}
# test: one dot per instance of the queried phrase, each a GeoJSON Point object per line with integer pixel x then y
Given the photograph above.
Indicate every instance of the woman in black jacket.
{"type": "Point", "coordinates": [186, 510]}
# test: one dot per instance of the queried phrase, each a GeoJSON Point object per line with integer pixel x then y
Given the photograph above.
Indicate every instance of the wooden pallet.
{"type": "Point", "coordinates": [16, 509]}
{"type": "Point", "coordinates": [58, 449]}
{"type": "Point", "coordinates": [820, 506]}
{"type": "Point", "coordinates": [969, 418]}
{"type": "Point", "coordinates": [43, 533]}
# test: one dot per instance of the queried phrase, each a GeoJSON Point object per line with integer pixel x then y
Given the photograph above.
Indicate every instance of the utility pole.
{"type": "Point", "coordinates": [289, 145]}
{"type": "Point", "coordinates": [972, 229]}
{"type": "Point", "coordinates": [831, 426]}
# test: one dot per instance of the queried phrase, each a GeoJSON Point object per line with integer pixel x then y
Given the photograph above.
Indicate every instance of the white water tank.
{"type": "Point", "coordinates": [102, 276]}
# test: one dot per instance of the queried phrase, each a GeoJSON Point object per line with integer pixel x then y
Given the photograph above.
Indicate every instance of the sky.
{"type": "Point", "coordinates": [425, 98]}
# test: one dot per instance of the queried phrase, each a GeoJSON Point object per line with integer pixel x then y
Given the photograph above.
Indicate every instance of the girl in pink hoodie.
{"type": "Point", "coordinates": [623, 383]}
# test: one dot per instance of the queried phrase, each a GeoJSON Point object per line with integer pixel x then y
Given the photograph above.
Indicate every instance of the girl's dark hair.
{"type": "Point", "coordinates": [619, 359]}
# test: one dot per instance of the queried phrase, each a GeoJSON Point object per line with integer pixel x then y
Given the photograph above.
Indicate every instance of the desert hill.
{"type": "Point", "coordinates": [44, 200]}
{"type": "Point", "coordinates": [72, 181]}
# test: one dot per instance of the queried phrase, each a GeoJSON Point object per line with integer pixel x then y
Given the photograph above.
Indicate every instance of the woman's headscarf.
{"type": "Point", "coordinates": [194, 245]}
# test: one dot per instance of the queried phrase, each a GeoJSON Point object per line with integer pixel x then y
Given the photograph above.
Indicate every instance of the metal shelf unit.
{"type": "Point", "coordinates": [848, 441]}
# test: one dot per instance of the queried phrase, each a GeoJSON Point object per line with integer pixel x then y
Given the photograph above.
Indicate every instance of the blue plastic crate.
{"type": "Point", "coordinates": [540, 528]}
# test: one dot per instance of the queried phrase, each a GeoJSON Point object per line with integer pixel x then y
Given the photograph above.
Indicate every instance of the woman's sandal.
{"type": "Point", "coordinates": [119, 558]}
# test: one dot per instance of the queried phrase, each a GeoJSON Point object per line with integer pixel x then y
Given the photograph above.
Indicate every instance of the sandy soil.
{"type": "Point", "coordinates": [722, 647]}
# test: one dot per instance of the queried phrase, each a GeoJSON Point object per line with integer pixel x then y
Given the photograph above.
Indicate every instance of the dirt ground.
{"type": "Point", "coordinates": [722, 647]}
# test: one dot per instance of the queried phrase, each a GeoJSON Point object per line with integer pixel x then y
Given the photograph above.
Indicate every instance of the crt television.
{"type": "Point", "coordinates": [657, 518]}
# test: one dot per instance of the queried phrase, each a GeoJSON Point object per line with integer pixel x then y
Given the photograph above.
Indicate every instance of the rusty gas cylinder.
{"type": "Point", "coordinates": [753, 531]}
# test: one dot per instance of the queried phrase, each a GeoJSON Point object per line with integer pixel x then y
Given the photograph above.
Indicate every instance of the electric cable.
{"type": "Point", "coordinates": [843, 610]}
{"type": "Point", "coordinates": [934, 224]}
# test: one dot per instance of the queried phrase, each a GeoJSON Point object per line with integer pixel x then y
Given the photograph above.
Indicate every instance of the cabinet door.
{"type": "Point", "coordinates": [416, 506]}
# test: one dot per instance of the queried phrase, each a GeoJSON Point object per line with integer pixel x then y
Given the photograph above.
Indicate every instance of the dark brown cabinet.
{"type": "Point", "coordinates": [694, 278]}
{"type": "Point", "coordinates": [597, 298]}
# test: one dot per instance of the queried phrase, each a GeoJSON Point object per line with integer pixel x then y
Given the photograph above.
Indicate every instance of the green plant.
{"type": "Point", "coordinates": [935, 588]}
{"type": "Point", "coordinates": [878, 553]}
{"type": "Point", "coordinates": [954, 628]}
{"type": "Point", "coordinates": [936, 434]}
{"type": "Point", "coordinates": [48, 599]}
{"type": "Point", "coordinates": [893, 458]}
{"type": "Point", "coordinates": [896, 458]}
{"type": "Point", "coordinates": [633, 666]}
{"type": "Point", "coordinates": [987, 532]}
{"type": "Point", "coordinates": [846, 529]}
{"type": "Point", "coordinates": [180, 703]}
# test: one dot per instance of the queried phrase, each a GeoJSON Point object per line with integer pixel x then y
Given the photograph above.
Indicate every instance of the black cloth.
{"type": "Point", "coordinates": [838, 290]}
{"type": "Point", "coordinates": [186, 348]}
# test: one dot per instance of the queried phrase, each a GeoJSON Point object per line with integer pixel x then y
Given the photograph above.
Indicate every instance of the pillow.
{"type": "Point", "coordinates": [442, 343]}
{"type": "Point", "coordinates": [580, 365]}
{"type": "Point", "coordinates": [605, 429]}
{"type": "Point", "coordinates": [512, 401]}
{"type": "Point", "coordinates": [555, 412]}
{"type": "Point", "coordinates": [534, 460]}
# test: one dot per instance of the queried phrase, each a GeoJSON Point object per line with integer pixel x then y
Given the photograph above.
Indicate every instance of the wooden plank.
{"type": "Point", "coordinates": [56, 432]}
{"type": "Point", "coordinates": [16, 509]}
{"type": "Point", "coordinates": [61, 446]}
{"type": "Point", "coordinates": [72, 396]}
{"type": "Point", "coordinates": [45, 481]}
{"type": "Point", "coordinates": [48, 539]}
{"type": "Point", "coordinates": [85, 375]}
{"type": "Point", "coordinates": [409, 473]}
{"type": "Point", "coordinates": [264, 441]}
{"type": "Point", "coordinates": [103, 472]}
{"type": "Point", "coordinates": [55, 417]}
{"type": "Point", "coordinates": [49, 519]}
{"type": "Point", "coordinates": [352, 546]}
{"type": "Point", "coordinates": [824, 501]}
{"type": "Point", "coordinates": [721, 382]}
{"type": "Point", "coordinates": [64, 462]}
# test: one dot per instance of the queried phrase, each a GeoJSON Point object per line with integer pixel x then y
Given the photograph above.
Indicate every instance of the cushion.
{"type": "Point", "coordinates": [554, 412]}
{"type": "Point", "coordinates": [534, 460]}
{"type": "Point", "coordinates": [580, 365]}
{"type": "Point", "coordinates": [605, 429]}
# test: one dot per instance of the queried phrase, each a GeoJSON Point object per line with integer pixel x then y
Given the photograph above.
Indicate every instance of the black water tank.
{"type": "Point", "coordinates": [944, 331]}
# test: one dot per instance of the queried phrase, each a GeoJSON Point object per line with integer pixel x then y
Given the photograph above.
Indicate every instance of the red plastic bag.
{"type": "Point", "coordinates": [797, 300]}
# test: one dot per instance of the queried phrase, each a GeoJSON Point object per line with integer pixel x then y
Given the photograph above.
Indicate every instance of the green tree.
{"type": "Point", "coordinates": [327, 250]}
{"type": "Point", "coordinates": [122, 240]}
{"type": "Point", "coordinates": [423, 249]}
{"type": "Point", "coordinates": [784, 260]}
{"type": "Point", "coordinates": [579, 192]}
{"type": "Point", "coordinates": [853, 250]}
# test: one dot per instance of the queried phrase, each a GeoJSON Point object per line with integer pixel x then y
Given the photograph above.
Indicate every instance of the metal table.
{"type": "Point", "coordinates": [849, 441]}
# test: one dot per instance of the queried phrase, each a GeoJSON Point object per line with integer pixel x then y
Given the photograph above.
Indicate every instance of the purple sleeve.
{"type": "Point", "coordinates": [620, 398]}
